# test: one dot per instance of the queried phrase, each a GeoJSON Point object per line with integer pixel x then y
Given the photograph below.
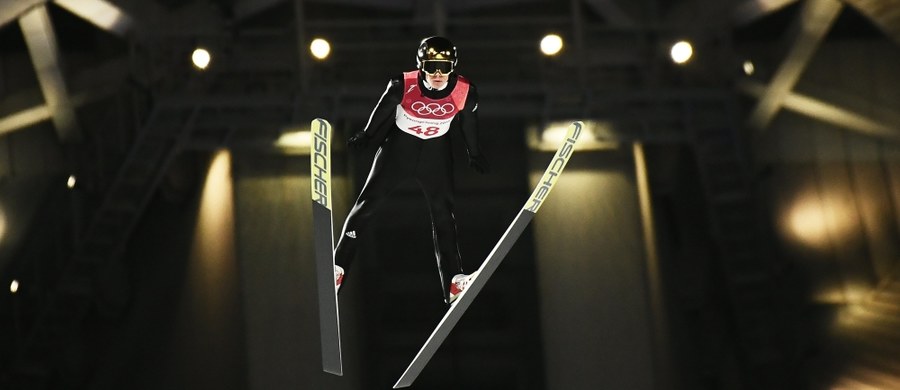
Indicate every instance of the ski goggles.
{"type": "Point", "coordinates": [432, 67]}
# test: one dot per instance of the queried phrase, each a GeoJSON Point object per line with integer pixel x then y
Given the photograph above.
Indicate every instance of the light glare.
{"type": "Point", "coordinates": [14, 286]}
{"type": "Point", "coordinates": [71, 182]}
{"type": "Point", "coordinates": [681, 52]}
{"type": "Point", "coordinates": [551, 44]}
{"type": "Point", "coordinates": [749, 68]}
{"type": "Point", "coordinates": [819, 219]}
{"type": "Point", "coordinates": [294, 139]}
{"type": "Point", "coordinates": [808, 223]}
{"type": "Point", "coordinates": [201, 58]}
{"type": "Point", "coordinates": [320, 48]}
{"type": "Point", "coordinates": [596, 135]}
{"type": "Point", "coordinates": [3, 225]}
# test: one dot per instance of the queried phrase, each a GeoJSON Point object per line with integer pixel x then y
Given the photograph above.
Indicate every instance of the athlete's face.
{"type": "Point", "coordinates": [436, 80]}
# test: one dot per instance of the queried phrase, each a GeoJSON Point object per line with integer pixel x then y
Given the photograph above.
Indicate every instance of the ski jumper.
{"type": "Point", "coordinates": [412, 125]}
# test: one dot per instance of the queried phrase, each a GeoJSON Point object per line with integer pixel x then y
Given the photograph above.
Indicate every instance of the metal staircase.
{"type": "Point", "coordinates": [159, 140]}
{"type": "Point", "coordinates": [738, 234]}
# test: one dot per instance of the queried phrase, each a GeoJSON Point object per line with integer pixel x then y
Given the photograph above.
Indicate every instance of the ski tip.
{"type": "Point", "coordinates": [575, 129]}
{"type": "Point", "coordinates": [338, 372]}
{"type": "Point", "coordinates": [321, 122]}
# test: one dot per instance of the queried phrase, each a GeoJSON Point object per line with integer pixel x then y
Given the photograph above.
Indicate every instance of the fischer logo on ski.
{"type": "Point", "coordinates": [320, 156]}
{"type": "Point", "coordinates": [555, 168]}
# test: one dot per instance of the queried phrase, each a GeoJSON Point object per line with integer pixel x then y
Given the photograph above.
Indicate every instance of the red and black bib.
{"type": "Point", "coordinates": [428, 118]}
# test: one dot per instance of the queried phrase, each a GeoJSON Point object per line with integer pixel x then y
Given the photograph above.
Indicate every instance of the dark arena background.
{"type": "Point", "coordinates": [729, 220]}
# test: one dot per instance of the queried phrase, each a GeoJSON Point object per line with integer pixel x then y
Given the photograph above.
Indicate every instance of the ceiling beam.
{"type": "Point", "coordinates": [883, 13]}
{"type": "Point", "coordinates": [303, 64]}
{"type": "Point", "coordinates": [750, 10]}
{"type": "Point", "coordinates": [42, 112]}
{"type": "Point", "coordinates": [813, 24]}
{"type": "Point", "coordinates": [439, 16]}
{"type": "Point", "coordinates": [93, 84]}
{"type": "Point", "coordinates": [611, 12]}
{"type": "Point", "coordinates": [10, 10]}
{"type": "Point", "coordinates": [44, 51]}
{"type": "Point", "coordinates": [101, 14]}
{"type": "Point", "coordinates": [24, 118]}
{"type": "Point", "coordinates": [831, 113]}
{"type": "Point", "coordinates": [246, 8]}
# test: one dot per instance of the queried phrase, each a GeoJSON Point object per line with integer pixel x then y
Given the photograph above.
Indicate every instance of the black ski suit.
{"type": "Point", "coordinates": [403, 156]}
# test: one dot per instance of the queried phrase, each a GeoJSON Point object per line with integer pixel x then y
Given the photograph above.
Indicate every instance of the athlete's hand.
{"type": "Point", "coordinates": [358, 140]}
{"type": "Point", "coordinates": [479, 163]}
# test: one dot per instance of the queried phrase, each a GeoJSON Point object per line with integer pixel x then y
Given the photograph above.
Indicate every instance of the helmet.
{"type": "Point", "coordinates": [436, 49]}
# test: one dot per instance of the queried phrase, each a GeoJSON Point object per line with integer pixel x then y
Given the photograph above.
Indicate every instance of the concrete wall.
{"type": "Point", "coordinates": [834, 195]}
{"type": "Point", "coordinates": [834, 191]}
{"type": "Point", "coordinates": [223, 288]}
{"type": "Point", "coordinates": [274, 219]}
{"type": "Point", "coordinates": [591, 272]}
{"type": "Point", "coordinates": [184, 326]}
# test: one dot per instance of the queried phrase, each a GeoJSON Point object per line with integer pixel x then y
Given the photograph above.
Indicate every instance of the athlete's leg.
{"type": "Point", "coordinates": [435, 177]}
{"type": "Point", "coordinates": [384, 176]}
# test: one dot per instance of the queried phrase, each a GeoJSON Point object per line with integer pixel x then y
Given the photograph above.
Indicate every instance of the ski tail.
{"type": "Point", "coordinates": [320, 176]}
{"type": "Point", "coordinates": [503, 246]}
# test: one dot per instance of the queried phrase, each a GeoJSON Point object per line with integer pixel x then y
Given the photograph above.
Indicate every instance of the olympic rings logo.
{"type": "Point", "coordinates": [435, 109]}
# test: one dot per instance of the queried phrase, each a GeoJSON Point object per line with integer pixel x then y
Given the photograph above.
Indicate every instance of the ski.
{"type": "Point", "coordinates": [515, 229]}
{"type": "Point", "coordinates": [320, 176]}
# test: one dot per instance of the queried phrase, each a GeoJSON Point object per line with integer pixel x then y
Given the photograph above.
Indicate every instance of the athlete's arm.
{"type": "Point", "coordinates": [383, 111]}
{"type": "Point", "coordinates": [468, 119]}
